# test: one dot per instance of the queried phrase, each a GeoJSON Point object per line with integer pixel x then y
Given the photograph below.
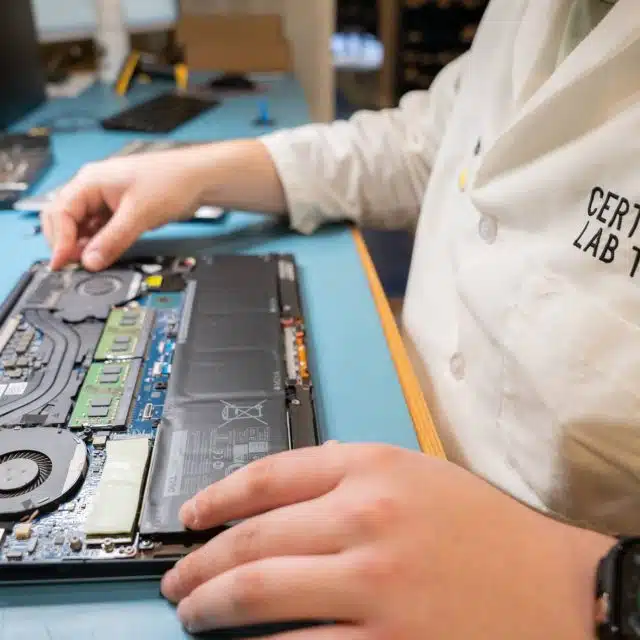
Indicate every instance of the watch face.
{"type": "Point", "coordinates": [629, 593]}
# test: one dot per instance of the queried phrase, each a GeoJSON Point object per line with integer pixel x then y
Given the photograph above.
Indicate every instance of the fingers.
{"type": "Point", "coordinates": [276, 590]}
{"type": "Point", "coordinates": [115, 237]}
{"type": "Point", "coordinates": [45, 223]}
{"type": "Point", "coordinates": [62, 219]}
{"type": "Point", "coordinates": [270, 483]}
{"type": "Point", "coordinates": [79, 212]}
{"type": "Point", "coordinates": [60, 230]}
{"type": "Point", "coordinates": [66, 236]}
{"type": "Point", "coordinates": [305, 529]}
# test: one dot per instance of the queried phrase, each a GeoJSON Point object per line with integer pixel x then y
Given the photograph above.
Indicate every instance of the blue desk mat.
{"type": "Point", "coordinates": [360, 398]}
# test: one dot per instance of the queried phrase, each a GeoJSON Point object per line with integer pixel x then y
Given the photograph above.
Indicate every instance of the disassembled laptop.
{"type": "Point", "coordinates": [125, 392]}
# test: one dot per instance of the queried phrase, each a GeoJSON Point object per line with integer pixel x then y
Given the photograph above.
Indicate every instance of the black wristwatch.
{"type": "Point", "coordinates": [618, 592]}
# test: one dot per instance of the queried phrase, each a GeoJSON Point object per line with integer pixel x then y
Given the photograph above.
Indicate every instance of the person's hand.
{"type": "Point", "coordinates": [100, 213]}
{"type": "Point", "coordinates": [389, 544]}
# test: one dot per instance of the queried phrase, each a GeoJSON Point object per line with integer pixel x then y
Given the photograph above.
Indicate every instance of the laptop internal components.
{"type": "Point", "coordinates": [124, 393]}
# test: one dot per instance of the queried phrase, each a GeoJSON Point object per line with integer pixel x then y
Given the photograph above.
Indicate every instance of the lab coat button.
{"type": "Point", "coordinates": [488, 229]}
{"type": "Point", "coordinates": [457, 365]}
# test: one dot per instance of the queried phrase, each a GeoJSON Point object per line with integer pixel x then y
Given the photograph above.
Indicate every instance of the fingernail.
{"type": "Point", "coordinates": [188, 513]}
{"type": "Point", "coordinates": [55, 262]}
{"type": "Point", "coordinates": [93, 260]}
{"type": "Point", "coordinates": [168, 583]}
{"type": "Point", "coordinates": [190, 626]}
{"type": "Point", "coordinates": [171, 581]}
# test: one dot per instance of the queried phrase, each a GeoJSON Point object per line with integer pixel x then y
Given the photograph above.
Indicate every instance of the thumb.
{"type": "Point", "coordinates": [65, 239]}
{"type": "Point", "coordinates": [120, 232]}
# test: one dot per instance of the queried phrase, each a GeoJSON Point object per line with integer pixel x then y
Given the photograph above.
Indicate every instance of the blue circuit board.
{"type": "Point", "coordinates": [147, 409]}
{"type": "Point", "coordinates": [54, 534]}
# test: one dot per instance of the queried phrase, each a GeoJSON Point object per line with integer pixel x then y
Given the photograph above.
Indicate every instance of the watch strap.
{"type": "Point", "coordinates": [606, 576]}
{"type": "Point", "coordinates": [605, 583]}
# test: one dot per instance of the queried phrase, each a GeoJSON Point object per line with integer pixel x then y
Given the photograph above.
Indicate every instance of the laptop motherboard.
{"type": "Point", "coordinates": [123, 393]}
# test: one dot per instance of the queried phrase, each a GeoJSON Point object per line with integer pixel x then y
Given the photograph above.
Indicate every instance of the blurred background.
{"type": "Point", "coordinates": [346, 54]}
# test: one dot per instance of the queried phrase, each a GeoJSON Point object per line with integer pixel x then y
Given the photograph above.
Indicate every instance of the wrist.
{"type": "Point", "coordinates": [200, 174]}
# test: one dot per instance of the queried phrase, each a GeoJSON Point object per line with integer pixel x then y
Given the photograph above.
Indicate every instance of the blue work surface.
{"type": "Point", "coordinates": [360, 398]}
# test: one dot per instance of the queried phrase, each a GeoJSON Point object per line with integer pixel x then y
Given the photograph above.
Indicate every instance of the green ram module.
{"type": "Point", "coordinates": [125, 334]}
{"type": "Point", "coordinates": [106, 395]}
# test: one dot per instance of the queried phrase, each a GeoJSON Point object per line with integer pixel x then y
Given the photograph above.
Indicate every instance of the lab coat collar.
{"type": "Point", "coordinates": [536, 50]}
{"type": "Point", "coordinates": [540, 40]}
{"type": "Point", "coordinates": [537, 46]}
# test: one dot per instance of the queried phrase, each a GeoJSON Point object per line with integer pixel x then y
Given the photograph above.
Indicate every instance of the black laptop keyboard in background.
{"type": "Point", "coordinates": [161, 114]}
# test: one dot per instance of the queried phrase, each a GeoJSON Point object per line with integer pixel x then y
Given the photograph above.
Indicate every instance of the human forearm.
{"type": "Point", "coordinates": [101, 212]}
{"type": "Point", "coordinates": [238, 175]}
{"type": "Point", "coordinates": [372, 169]}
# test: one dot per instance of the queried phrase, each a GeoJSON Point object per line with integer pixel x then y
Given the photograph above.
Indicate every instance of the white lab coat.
{"type": "Point", "coordinates": [523, 305]}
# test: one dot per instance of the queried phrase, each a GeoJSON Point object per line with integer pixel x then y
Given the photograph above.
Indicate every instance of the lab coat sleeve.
{"type": "Point", "coordinates": [372, 169]}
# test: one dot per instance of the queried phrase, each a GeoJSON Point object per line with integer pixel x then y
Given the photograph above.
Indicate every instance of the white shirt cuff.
{"type": "Point", "coordinates": [304, 213]}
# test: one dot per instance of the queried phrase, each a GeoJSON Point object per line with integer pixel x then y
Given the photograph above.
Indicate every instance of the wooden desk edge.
{"type": "Point", "coordinates": [423, 423]}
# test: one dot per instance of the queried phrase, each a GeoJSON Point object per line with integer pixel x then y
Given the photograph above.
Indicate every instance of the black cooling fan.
{"type": "Point", "coordinates": [39, 467]}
